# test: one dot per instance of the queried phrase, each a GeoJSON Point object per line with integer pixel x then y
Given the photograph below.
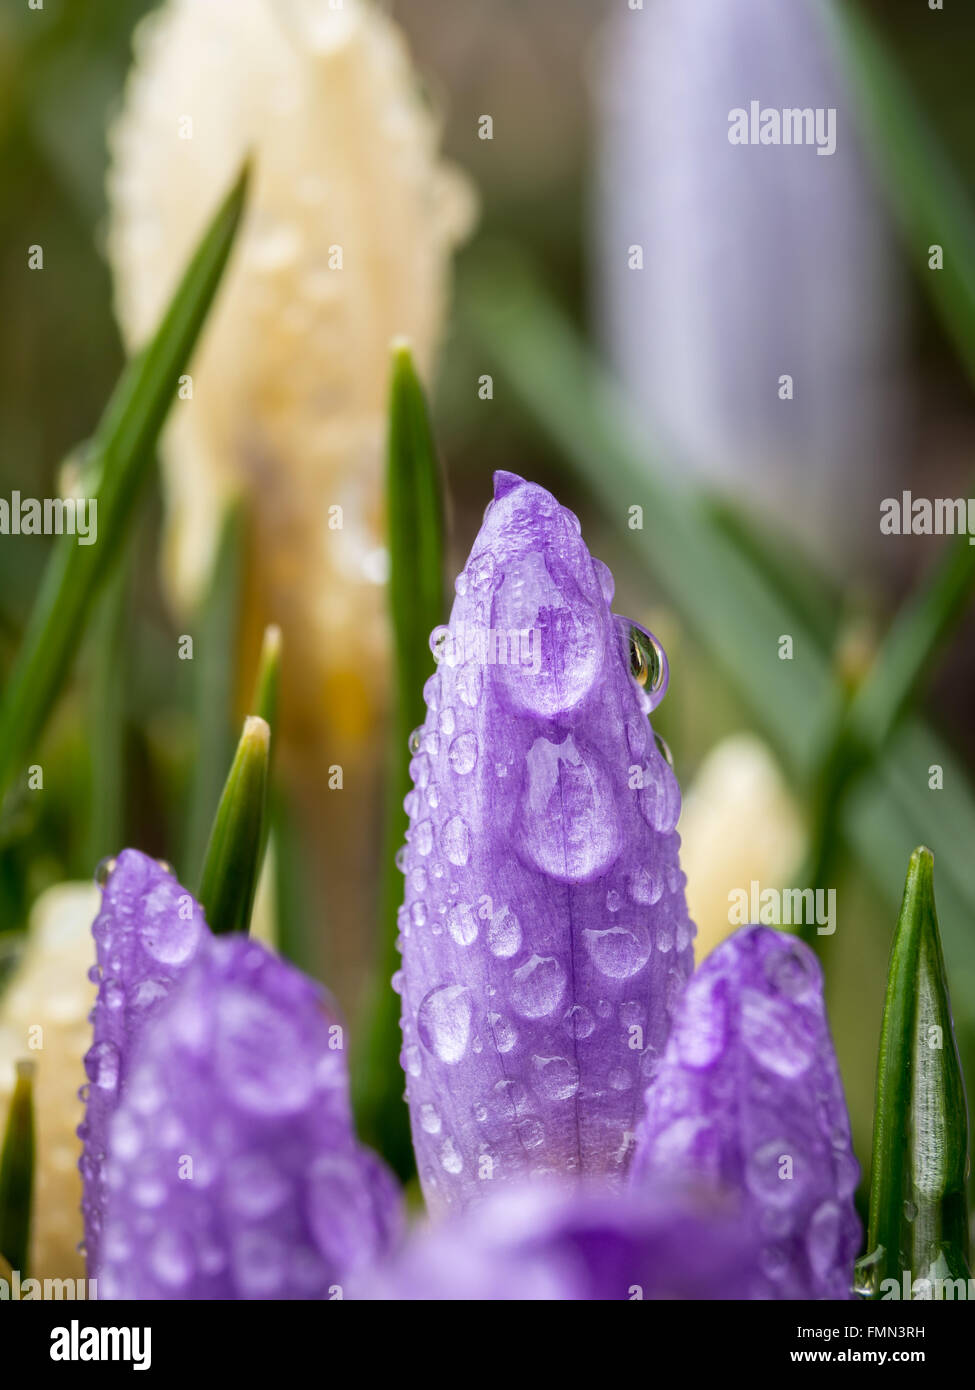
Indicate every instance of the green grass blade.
{"type": "Point", "coordinates": [928, 197]}
{"type": "Point", "coordinates": [119, 464]}
{"type": "Point", "coordinates": [106, 719]}
{"type": "Point", "coordinates": [17, 1172]}
{"type": "Point", "coordinates": [215, 672]}
{"type": "Point", "coordinates": [232, 863]}
{"type": "Point", "coordinates": [918, 1206]}
{"type": "Point", "coordinates": [416, 593]}
{"type": "Point", "coordinates": [267, 683]}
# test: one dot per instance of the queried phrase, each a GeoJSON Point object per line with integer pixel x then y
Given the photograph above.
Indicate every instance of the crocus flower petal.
{"type": "Point", "coordinates": [544, 932]}
{"type": "Point", "coordinates": [148, 931]}
{"type": "Point", "coordinates": [232, 1168]}
{"type": "Point", "coordinates": [44, 1016]}
{"type": "Point", "coordinates": [538, 1243]}
{"type": "Point", "coordinates": [749, 1099]}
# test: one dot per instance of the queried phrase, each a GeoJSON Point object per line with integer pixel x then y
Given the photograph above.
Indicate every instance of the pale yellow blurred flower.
{"type": "Point", "coordinates": [44, 1016]}
{"type": "Point", "coordinates": [352, 220]}
{"type": "Point", "coordinates": [351, 224]}
{"type": "Point", "coordinates": [740, 824]}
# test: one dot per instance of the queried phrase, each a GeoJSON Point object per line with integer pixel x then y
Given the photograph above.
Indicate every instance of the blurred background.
{"type": "Point", "coordinates": [609, 133]}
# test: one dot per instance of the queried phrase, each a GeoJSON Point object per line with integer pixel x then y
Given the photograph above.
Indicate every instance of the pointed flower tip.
{"type": "Point", "coordinates": [505, 482]}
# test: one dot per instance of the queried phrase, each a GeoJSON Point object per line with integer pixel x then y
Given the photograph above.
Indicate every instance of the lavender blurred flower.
{"type": "Point", "coordinates": [545, 936]}
{"type": "Point", "coordinates": [757, 262]}
{"type": "Point", "coordinates": [533, 1242]}
{"type": "Point", "coordinates": [148, 931]}
{"type": "Point", "coordinates": [749, 1101]}
{"type": "Point", "coordinates": [232, 1167]}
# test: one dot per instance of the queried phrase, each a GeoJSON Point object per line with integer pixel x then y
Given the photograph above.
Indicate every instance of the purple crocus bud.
{"type": "Point", "coordinates": [232, 1169]}
{"type": "Point", "coordinates": [533, 1242]}
{"type": "Point", "coordinates": [148, 931]}
{"type": "Point", "coordinates": [749, 1099]}
{"type": "Point", "coordinates": [544, 931]}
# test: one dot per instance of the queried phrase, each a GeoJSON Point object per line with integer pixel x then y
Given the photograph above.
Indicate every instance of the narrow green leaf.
{"type": "Point", "coordinates": [928, 197]}
{"type": "Point", "coordinates": [267, 683]}
{"type": "Point", "coordinates": [17, 1172]}
{"type": "Point", "coordinates": [119, 464]}
{"type": "Point", "coordinates": [264, 703]}
{"type": "Point", "coordinates": [215, 671]}
{"type": "Point", "coordinates": [415, 503]}
{"type": "Point", "coordinates": [232, 864]}
{"type": "Point", "coordinates": [106, 718]}
{"type": "Point", "coordinates": [918, 1206]}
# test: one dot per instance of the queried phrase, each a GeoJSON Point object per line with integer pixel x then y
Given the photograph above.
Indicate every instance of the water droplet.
{"type": "Point", "coordinates": [531, 1133]}
{"type": "Point", "coordinates": [102, 1065]}
{"type": "Point", "coordinates": [579, 1022]}
{"type": "Point", "coordinates": [400, 859]}
{"type": "Point", "coordinates": [415, 740]}
{"type": "Point", "coordinates": [645, 887]}
{"type": "Point", "coordinates": [443, 1022]}
{"type": "Point", "coordinates": [772, 1175]}
{"type": "Point", "coordinates": [504, 934]}
{"type": "Point", "coordinates": [613, 901]}
{"type": "Point", "coordinates": [430, 1121]}
{"type": "Point", "coordinates": [570, 824]}
{"type": "Point", "coordinates": [113, 994]}
{"type": "Point", "coordinates": [647, 661]}
{"type": "Point", "coordinates": [104, 870]}
{"type": "Point", "coordinates": [463, 754]}
{"type": "Point", "coordinates": [456, 840]}
{"type": "Point", "coordinates": [504, 1031]}
{"type": "Point", "coordinates": [556, 1077]}
{"type": "Point", "coordinates": [450, 1159]}
{"type": "Point", "coordinates": [618, 952]}
{"type": "Point", "coordinates": [423, 838]}
{"type": "Point", "coordinates": [446, 722]}
{"type": "Point", "coordinates": [776, 1033]}
{"type": "Point", "coordinates": [555, 666]}
{"type": "Point", "coordinates": [254, 1186]}
{"type": "Point", "coordinates": [440, 643]}
{"type": "Point", "coordinates": [462, 924]}
{"type": "Point", "coordinates": [823, 1238]}
{"type": "Point", "coordinates": [537, 987]}
{"type": "Point", "coordinates": [701, 1028]}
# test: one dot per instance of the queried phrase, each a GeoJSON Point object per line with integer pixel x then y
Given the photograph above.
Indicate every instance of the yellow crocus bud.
{"type": "Point", "coordinates": [44, 1016]}
{"type": "Point", "coordinates": [740, 825]}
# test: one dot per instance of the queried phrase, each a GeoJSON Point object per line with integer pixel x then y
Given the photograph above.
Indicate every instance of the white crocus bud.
{"type": "Point", "coordinates": [44, 1017]}
{"type": "Point", "coordinates": [351, 222]}
{"type": "Point", "coordinates": [740, 825]}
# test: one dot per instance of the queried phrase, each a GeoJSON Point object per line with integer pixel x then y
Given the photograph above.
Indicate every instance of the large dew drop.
{"type": "Point", "coordinates": [619, 952]}
{"type": "Point", "coordinates": [444, 1022]}
{"type": "Point", "coordinates": [570, 824]}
